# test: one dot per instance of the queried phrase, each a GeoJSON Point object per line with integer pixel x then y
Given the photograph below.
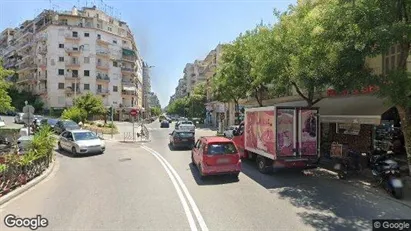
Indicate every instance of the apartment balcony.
{"type": "Point", "coordinates": [102, 42]}
{"type": "Point", "coordinates": [127, 70]}
{"type": "Point", "coordinates": [128, 83]}
{"type": "Point", "coordinates": [71, 90]}
{"type": "Point", "coordinates": [26, 67]}
{"type": "Point", "coordinates": [103, 53]}
{"type": "Point", "coordinates": [73, 51]}
{"type": "Point", "coordinates": [102, 92]}
{"type": "Point", "coordinates": [71, 76]}
{"type": "Point", "coordinates": [25, 79]}
{"type": "Point", "coordinates": [42, 50]}
{"type": "Point", "coordinates": [125, 93]}
{"type": "Point", "coordinates": [42, 77]}
{"type": "Point", "coordinates": [72, 64]}
{"type": "Point", "coordinates": [102, 66]}
{"type": "Point", "coordinates": [41, 91]}
{"type": "Point", "coordinates": [130, 59]}
{"type": "Point", "coordinates": [70, 37]}
{"type": "Point", "coordinates": [102, 78]}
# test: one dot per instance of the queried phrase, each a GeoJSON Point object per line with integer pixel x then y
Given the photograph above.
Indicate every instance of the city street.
{"type": "Point", "coordinates": [149, 187]}
{"type": "Point", "coordinates": [9, 121]}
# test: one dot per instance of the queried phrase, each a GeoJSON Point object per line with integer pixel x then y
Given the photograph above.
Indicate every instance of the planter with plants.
{"type": "Point", "coordinates": [17, 170]}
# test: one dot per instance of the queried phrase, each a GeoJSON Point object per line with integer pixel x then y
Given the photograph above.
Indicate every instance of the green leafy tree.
{"type": "Point", "coordinates": [374, 27]}
{"type": "Point", "coordinates": [178, 107]}
{"type": "Point", "coordinates": [19, 97]}
{"type": "Point", "coordinates": [5, 99]}
{"type": "Point", "coordinates": [155, 111]}
{"type": "Point", "coordinates": [91, 104]}
{"type": "Point", "coordinates": [74, 113]}
{"type": "Point", "coordinates": [195, 102]}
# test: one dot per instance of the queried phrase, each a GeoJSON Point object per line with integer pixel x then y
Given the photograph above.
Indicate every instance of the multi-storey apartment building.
{"type": "Point", "coordinates": [61, 55]}
{"type": "Point", "coordinates": [181, 89]}
{"type": "Point", "coordinates": [146, 85]}
{"type": "Point", "coordinates": [153, 100]}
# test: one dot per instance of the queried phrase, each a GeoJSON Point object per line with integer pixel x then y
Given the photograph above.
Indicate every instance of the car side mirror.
{"type": "Point", "coordinates": [235, 132]}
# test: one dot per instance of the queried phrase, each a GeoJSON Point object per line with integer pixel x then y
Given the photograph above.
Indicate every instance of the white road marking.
{"type": "Point", "coordinates": [190, 199]}
{"type": "Point", "coordinates": [186, 208]}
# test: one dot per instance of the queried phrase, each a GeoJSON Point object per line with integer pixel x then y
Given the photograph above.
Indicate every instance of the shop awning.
{"type": "Point", "coordinates": [128, 52]}
{"type": "Point", "coordinates": [365, 109]}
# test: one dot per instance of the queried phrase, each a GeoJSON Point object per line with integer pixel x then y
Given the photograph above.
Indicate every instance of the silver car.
{"type": "Point", "coordinates": [81, 142]}
{"type": "Point", "coordinates": [18, 119]}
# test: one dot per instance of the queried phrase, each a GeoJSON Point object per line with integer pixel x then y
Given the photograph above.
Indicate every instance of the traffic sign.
{"type": "Point", "coordinates": [133, 112]}
{"type": "Point", "coordinates": [28, 109]}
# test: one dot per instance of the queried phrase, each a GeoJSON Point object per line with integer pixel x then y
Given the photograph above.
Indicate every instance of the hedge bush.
{"type": "Point", "coordinates": [74, 113]}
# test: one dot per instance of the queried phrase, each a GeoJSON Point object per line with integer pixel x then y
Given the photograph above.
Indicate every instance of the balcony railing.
{"type": "Point", "coordinates": [104, 53]}
{"type": "Point", "coordinates": [128, 83]}
{"type": "Point", "coordinates": [72, 76]}
{"type": "Point", "coordinates": [103, 91]}
{"type": "Point", "coordinates": [102, 66]}
{"type": "Point", "coordinates": [23, 79]}
{"type": "Point", "coordinates": [70, 90]}
{"type": "Point", "coordinates": [102, 78]}
{"type": "Point", "coordinates": [73, 50]}
{"type": "Point", "coordinates": [42, 50]}
{"type": "Point", "coordinates": [131, 59]}
{"type": "Point", "coordinates": [42, 77]}
{"type": "Point", "coordinates": [27, 66]}
{"type": "Point", "coordinates": [73, 64]}
{"type": "Point", "coordinates": [131, 93]}
{"type": "Point", "coordinates": [103, 42]}
{"type": "Point", "coordinates": [71, 37]}
{"type": "Point", "coordinates": [127, 69]}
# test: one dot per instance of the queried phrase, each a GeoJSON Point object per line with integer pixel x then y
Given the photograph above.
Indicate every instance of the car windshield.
{"type": "Point", "coordinates": [70, 123]}
{"type": "Point", "coordinates": [52, 121]}
{"type": "Point", "coordinates": [221, 148]}
{"type": "Point", "coordinates": [84, 136]}
{"type": "Point", "coordinates": [185, 134]}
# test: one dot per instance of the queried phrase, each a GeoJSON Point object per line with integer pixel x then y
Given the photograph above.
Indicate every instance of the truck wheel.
{"type": "Point", "coordinates": [262, 164]}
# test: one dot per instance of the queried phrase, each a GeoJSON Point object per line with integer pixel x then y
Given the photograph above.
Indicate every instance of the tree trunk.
{"type": "Point", "coordinates": [405, 116]}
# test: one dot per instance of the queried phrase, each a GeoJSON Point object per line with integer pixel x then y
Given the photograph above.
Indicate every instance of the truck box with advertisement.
{"type": "Point", "coordinates": [279, 137]}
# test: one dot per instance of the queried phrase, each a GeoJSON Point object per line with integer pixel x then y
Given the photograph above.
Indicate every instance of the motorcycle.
{"type": "Point", "coordinates": [387, 172]}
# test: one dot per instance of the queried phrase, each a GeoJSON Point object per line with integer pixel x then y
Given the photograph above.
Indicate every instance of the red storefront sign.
{"type": "Point", "coordinates": [365, 90]}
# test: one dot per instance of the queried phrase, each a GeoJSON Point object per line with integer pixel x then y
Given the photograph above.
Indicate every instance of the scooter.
{"type": "Point", "coordinates": [387, 172]}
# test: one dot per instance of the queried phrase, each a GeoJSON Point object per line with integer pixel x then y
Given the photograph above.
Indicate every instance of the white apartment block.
{"type": "Point", "coordinates": [61, 55]}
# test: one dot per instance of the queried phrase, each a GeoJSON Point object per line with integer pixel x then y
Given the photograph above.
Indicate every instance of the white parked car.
{"type": "Point", "coordinates": [2, 123]}
{"type": "Point", "coordinates": [229, 131]}
{"type": "Point", "coordinates": [18, 119]}
{"type": "Point", "coordinates": [186, 126]}
{"type": "Point", "coordinates": [81, 142]}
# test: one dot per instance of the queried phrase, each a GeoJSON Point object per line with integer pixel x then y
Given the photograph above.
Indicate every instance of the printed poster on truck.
{"type": "Point", "coordinates": [309, 130]}
{"type": "Point", "coordinates": [259, 131]}
{"type": "Point", "coordinates": [285, 132]}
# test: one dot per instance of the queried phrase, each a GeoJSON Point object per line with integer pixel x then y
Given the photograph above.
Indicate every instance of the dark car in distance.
{"type": "Point", "coordinates": [164, 124]}
{"type": "Point", "coordinates": [49, 121]}
{"type": "Point", "coordinates": [65, 125]}
{"type": "Point", "coordinates": [182, 139]}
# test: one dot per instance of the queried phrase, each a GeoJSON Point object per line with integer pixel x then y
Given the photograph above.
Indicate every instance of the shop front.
{"type": "Point", "coordinates": [355, 123]}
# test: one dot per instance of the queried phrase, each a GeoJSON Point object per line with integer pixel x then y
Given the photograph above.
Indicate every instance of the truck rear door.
{"type": "Point", "coordinates": [308, 132]}
{"type": "Point", "coordinates": [286, 132]}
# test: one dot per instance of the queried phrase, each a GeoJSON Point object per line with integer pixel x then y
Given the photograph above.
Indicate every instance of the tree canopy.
{"type": "Point", "coordinates": [192, 105]}
{"type": "Point", "coordinates": [5, 99]}
{"type": "Point", "coordinates": [155, 111]}
{"type": "Point", "coordinates": [91, 104]}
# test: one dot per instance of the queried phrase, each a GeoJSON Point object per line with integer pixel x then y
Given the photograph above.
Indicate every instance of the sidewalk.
{"type": "Point", "coordinates": [366, 181]}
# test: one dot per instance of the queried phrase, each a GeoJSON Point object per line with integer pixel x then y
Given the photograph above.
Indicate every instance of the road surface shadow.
{"type": "Point", "coordinates": [211, 180]}
{"type": "Point", "coordinates": [329, 204]}
{"type": "Point", "coordinates": [68, 154]}
{"type": "Point", "coordinates": [173, 149]}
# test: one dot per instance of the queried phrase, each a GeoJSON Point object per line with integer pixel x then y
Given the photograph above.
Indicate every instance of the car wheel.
{"type": "Point", "coordinates": [59, 146]}
{"type": "Point", "coordinates": [202, 176]}
{"type": "Point", "coordinates": [236, 175]}
{"type": "Point", "coordinates": [73, 151]}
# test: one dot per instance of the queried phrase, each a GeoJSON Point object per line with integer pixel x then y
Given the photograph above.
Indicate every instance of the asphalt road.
{"type": "Point", "coordinates": [150, 187]}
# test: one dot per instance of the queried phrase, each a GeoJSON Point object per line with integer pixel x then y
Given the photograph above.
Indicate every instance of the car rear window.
{"type": "Point", "coordinates": [187, 122]}
{"type": "Point", "coordinates": [185, 134]}
{"type": "Point", "coordinates": [221, 148]}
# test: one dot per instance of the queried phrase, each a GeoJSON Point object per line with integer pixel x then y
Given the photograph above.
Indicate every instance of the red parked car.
{"type": "Point", "coordinates": [216, 156]}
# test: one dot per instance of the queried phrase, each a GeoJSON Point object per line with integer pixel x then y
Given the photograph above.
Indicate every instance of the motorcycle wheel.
{"type": "Point", "coordinates": [397, 193]}
{"type": "Point", "coordinates": [342, 175]}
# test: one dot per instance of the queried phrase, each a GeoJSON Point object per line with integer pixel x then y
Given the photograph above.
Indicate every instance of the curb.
{"type": "Point", "coordinates": [21, 189]}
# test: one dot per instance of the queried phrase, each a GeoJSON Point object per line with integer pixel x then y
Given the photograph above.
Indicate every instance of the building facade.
{"type": "Point", "coordinates": [146, 85]}
{"type": "Point", "coordinates": [153, 100]}
{"type": "Point", "coordinates": [61, 55]}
